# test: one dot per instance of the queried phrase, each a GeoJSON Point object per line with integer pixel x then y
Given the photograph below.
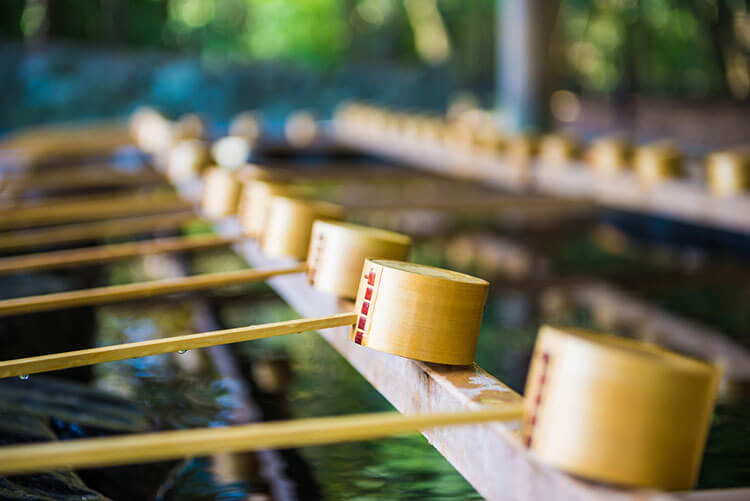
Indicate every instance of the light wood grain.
{"type": "Point", "coordinates": [79, 358]}
{"type": "Point", "coordinates": [729, 173]}
{"type": "Point", "coordinates": [221, 191]}
{"type": "Point", "coordinates": [254, 203]}
{"type": "Point", "coordinates": [338, 252]}
{"type": "Point", "coordinates": [61, 200]}
{"type": "Point", "coordinates": [108, 253]}
{"type": "Point", "coordinates": [657, 162]}
{"type": "Point", "coordinates": [605, 175]}
{"type": "Point", "coordinates": [186, 160]}
{"type": "Point", "coordinates": [419, 312]}
{"type": "Point", "coordinates": [92, 231]}
{"type": "Point", "coordinates": [485, 202]}
{"type": "Point", "coordinates": [39, 144]}
{"type": "Point", "coordinates": [115, 293]}
{"type": "Point", "coordinates": [83, 177]}
{"type": "Point", "coordinates": [559, 149]}
{"type": "Point", "coordinates": [150, 447]}
{"type": "Point", "coordinates": [617, 410]}
{"type": "Point", "coordinates": [289, 225]}
{"type": "Point", "coordinates": [490, 457]}
{"type": "Point", "coordinates": [75, 211]}
{"type": "Point", "coordinates": [609, 155]}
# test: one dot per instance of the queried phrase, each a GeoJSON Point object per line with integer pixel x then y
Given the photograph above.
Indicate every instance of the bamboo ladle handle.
{"type": "Point", "coordinates": [149, 447]}
{"type": "Point", "coordinates": [79, 358]}
{"type": "Point", "coordinates": [89, 231]}
{"type": "Point", "coordinates": [115, 293]}
{"type": "Point", "coordinates": [108, 253]}
{"type": "Point", "coordinates": [403, 317]}
{"type": "Point", "coordinates": [76, 211]}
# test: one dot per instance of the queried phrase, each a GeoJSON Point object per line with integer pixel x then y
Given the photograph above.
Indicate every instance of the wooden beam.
{"type": "Point", "coordinates": [682, 199]}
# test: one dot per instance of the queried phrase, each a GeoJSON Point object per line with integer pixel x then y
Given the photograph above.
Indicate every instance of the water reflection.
{"type": "Point", "coordinates": [178, 391]}
{"type": "Point", "coordinates": [322, 383]}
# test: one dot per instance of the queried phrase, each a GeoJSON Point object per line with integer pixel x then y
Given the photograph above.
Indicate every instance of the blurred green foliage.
{"type": "Point", "coordinates": [665, 46]}
{"type": "Point", "coordinates": [685, 47]}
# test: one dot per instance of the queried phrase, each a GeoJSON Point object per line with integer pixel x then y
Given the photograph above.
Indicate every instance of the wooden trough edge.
{"type": "Point", "coordinates": [681, 200]}
{"type": "Point", "coordinates": [489, 456]}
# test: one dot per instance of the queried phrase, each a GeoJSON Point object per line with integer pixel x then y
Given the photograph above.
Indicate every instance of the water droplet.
{"type": "Point", "coordinates": [182, 351]}
{"type": "Point", "coordinates": [24, 377]}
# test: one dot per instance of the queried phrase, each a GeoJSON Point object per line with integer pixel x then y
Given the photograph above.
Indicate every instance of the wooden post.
{"type": "Point", "coordinates": [524, 71]}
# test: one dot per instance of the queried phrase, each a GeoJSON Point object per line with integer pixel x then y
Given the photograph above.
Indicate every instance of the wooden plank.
{"type": "Point", "coordinates": [569, 180]}
{"type": "Point", "coordinates": [481, 202]}
{"type": "Point", "coordinates": [683, 199]}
